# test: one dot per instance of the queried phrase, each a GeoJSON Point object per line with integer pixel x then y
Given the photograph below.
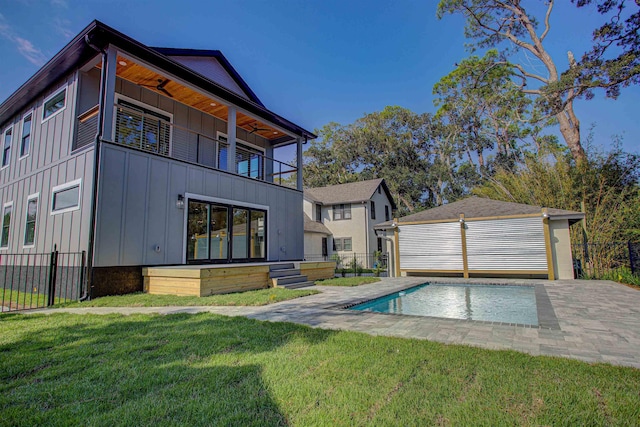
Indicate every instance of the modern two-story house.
{"type": "Point", "coordinates": [340, 219]}
{"type": "Point", "coordinates": [146, 156]}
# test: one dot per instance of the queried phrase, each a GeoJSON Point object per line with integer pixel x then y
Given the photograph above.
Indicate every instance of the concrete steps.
{"type": "Point", "coordinates": [287, 276]}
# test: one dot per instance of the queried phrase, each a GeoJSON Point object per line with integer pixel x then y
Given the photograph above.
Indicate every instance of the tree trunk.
{"type": "Point", "coordinates": [570, 130]}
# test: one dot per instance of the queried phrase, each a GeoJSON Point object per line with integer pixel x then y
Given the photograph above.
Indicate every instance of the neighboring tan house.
{"type": "Point", "coordinates": [478, 237]}
{"type": "Point", "coordinates": [141, 156]}
{"type": "Point", "coordinates": [345, 216]}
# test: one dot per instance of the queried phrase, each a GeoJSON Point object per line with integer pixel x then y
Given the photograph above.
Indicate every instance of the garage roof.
{"type": "Point", "coordinates": [479, 207]}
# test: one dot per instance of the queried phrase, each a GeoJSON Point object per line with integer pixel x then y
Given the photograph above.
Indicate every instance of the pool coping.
{"type": "Point", "coordinates": [546, 315]}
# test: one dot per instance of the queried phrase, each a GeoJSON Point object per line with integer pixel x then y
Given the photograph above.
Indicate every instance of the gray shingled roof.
{"type": "Point", "coordinates": [346, 193]}
{"type": "Point", "coordinates": [478, 207]}
{"type": "Point", "coordinates": [311, 226]}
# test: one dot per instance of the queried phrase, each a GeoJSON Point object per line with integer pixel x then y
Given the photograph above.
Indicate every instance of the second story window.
{"type": "Point", "coordinates": [141, 128]}
{"type": "Point", "coordinates": [6, 147]}
{"type": "Point", "coordinates": [25, 144]}
{"type": "Point", "coordinates": [373, 210]}
{"type": "Point", "coordinates": [30, 223]}
{"type": "Point", "coordinates": [319, 213]}
{"type": "Point", "coordinates": [54, 104]}
{"type": "Point", "coordinates": [342, 211]}
{"type": "Point", "coordinates": [387, 213]}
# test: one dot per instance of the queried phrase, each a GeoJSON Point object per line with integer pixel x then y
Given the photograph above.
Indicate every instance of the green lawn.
{"type": "Point", "coordinates": [259, 297]}
{"type": "Point", "coordinates": [207, 369]}
{"type": "Point", "coordinates": [347, 281]}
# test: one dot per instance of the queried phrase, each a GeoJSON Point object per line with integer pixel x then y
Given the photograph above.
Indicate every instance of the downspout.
{"type": "Point", "coordinates": [96, 165]}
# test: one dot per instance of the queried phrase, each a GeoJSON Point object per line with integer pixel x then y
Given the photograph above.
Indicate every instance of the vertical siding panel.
{"type": "Point", "coordinates": [134, 215]}
{"type": "Point", "coordinates": [158, 204]}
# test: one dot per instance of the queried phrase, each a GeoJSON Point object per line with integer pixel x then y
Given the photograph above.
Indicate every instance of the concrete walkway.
{"type": "Point", "coordinates": [597, 321]}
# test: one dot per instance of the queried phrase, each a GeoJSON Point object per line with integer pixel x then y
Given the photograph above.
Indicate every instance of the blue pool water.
{"type": "Point", "coordinates": [493, 303]}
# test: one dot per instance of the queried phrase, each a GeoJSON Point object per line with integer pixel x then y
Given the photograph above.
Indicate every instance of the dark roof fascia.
{"type": "Point", "coordinates": [102, 35]}
{"type": "Point", "coordinates": [75, 52]}
{"type": "Point", "coordinates": [169, 51]}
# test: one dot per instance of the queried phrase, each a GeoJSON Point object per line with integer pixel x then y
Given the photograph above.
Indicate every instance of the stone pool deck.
{"type": "Point", "coordinates": [597, 321]}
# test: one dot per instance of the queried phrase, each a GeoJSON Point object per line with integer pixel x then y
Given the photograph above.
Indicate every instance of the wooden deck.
{"type": "Point", "coordinates": [209, 279]}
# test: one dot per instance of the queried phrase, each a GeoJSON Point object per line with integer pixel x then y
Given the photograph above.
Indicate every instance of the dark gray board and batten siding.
{"type": "Point", "coordinates": [137, 208]}
{"type": "Point", "coordinates": [50, 162]}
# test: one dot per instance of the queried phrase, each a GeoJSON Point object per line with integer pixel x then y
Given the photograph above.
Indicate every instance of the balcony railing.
{"type": "Point", "coordinates": [150, 132]}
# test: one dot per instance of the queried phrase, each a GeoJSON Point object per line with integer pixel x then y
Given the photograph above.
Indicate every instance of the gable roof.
{"type": "Point", "coordinates": [351, 192]}
{"type": "Point", "coordinates": [479, 207]}
{"type": "Point", "coordinates": [78, 52]}
{"type": "Point", "coordinates": [218, 56]}
{"type": "Point", "coordinates": [311, 226]}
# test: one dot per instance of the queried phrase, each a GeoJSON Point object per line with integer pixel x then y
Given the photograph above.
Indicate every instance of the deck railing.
{"type": "Point", "coordinates": [152, 133]}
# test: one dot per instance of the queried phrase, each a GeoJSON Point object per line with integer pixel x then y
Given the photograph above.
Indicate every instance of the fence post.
{"type": "Point", "coordinates": [53, 270]}
{"type": "Point", "coordinates": [630, 247]}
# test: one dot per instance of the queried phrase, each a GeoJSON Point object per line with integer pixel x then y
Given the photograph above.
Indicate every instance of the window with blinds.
{"type": "Point", "coordinates": [142, 128]}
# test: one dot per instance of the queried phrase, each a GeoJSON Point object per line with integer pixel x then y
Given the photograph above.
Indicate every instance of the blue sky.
{"type": "Point", "coordinates": [311, 61]}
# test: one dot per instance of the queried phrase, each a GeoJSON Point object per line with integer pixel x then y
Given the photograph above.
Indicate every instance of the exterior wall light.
{"type": "Point", "coordinates": [461, 220]}
{"type": "Point", "coordinates": [545, 214]}
{"type": "Point", "coordinates": [180, 202]}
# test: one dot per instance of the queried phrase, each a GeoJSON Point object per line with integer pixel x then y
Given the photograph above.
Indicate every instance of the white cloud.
{"type": "Point", "coordinates": [62, 26]}
{"type": "Point", "coordinates": [24, 46]}
{"type": "Point", "coordinates": [60, 3]}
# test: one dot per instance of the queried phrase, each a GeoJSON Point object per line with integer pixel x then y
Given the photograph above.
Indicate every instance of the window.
{"type": "Point", "coordinates": [319, 213]}
{"type": "Point", "coordinates": [142, 128]}
{"type": "Point", "coordinates": [342, 244]}
{"type": "Point", "coordinates": [66, 197]}
{"type": "Point", "coordinates": [342, 211]}
{"type": "Point", "coordinates": [373, 210]}
{"type": "Point", "coordinates": [25, 143]}
{"type": "Point", "coordinates": [6, 224]}
{"type": "Point", "coordinates": [54, 104]}
{"type": "Point", "coordinates": [6, 147]}
{"type": "Point", "coordinates": [32, 217]}
{"type": "Point", "coordinates": [379, 191]}
{"type": "Point", "coordinates": [249, 159]}
{"type": "Point", "coordinates": [387, 215]}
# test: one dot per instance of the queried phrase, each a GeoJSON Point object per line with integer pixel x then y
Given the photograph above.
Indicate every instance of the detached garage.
{"type": "Point", "coordinates": [483, 237]}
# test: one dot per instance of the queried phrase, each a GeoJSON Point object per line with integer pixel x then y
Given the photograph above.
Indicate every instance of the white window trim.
{"type": "Point", "coordinates": [141, 104]}
{"type": "Point", "coordinates": [6, 248]}
{"type": "Point", "coordinates": [32, 112]}
{"type": "Point", "coordinates": [62, 187]}
{"type": "Point", "coordinates": [30, 197]}
{"type": "Point", "coordinates": [56, 93]}
{"type": "Point", "coordinates": [13, 137]}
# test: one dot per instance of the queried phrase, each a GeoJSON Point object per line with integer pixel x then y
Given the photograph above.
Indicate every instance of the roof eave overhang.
{"type": "Point", "coordinates": [78, 52]}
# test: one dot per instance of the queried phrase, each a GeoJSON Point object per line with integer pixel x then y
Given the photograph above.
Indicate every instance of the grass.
{"type": "Point", "coordinates": [347, 281]}
{"type": "Point", "coordinates": [206, 369]}
{"type": "Point", "coordinates": [251, 298]}
{"type": "Point", "coordinates": [22, 300]}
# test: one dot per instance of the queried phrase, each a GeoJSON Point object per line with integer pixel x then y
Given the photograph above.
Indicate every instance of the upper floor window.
{"type": "Point", "coordinates": [319, 213]}
{"type": "Point", "coordinates": [65, 197]}
{"type": "Point", "coordinates": [25, 143]}
{"type": "Point", "coordinates": [6, 224]}
{"type": "Point", "coordinates": [387, 214]}
{"type": "Point", "coordinates": [142, 128]}
{"type": "Point", "coordinates": [342, 211]}
{"type": "Point", "coordinates": [30, 223]}
{"type": "Point", "coordinates": [379, 189]}
{"type": "Point", "coordinates": [373, 210]}
{"type": "Point", "coordinates": [6, 147]}
{"type": "Point", "coordinates": [54, 104]}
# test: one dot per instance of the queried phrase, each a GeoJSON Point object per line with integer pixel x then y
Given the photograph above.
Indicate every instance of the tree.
{"type": "Point", "coordinates": [414, 153]}
{"type": "Point", "coordinates": [500, 23]}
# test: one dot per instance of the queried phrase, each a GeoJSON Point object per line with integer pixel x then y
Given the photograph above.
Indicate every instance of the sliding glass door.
{"type": "Point", "coordinates": [224, 233]}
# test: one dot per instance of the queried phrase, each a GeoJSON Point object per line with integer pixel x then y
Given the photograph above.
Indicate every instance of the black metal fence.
{"type": "Point", "coordinates": [29, 281]}
{"type": "Point", "coordinates": [356, 264]}
{"type": "Point", "coordinates": [611, 260]}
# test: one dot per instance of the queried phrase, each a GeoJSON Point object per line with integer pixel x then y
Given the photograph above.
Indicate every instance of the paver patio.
{"type": "Point", "coordinates": [597, 321]}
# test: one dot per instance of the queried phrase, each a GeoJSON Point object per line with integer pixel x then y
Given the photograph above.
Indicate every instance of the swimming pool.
{"type": "Point", "coordinates": [492, 303]}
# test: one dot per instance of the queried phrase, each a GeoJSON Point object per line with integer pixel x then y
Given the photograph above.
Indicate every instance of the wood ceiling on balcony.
{"type": "Point", "coordinates": [149, 79]}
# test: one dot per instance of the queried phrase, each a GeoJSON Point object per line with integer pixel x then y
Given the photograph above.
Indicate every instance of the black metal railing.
{"type": "Point", "coordinates": [610, 260]}
{"type": "Point", "coordinates": [29, 281]}
{"type": "Point", "coordinates": [356, 264]}
{"type": "Point", "coordinates": [207, 151]}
